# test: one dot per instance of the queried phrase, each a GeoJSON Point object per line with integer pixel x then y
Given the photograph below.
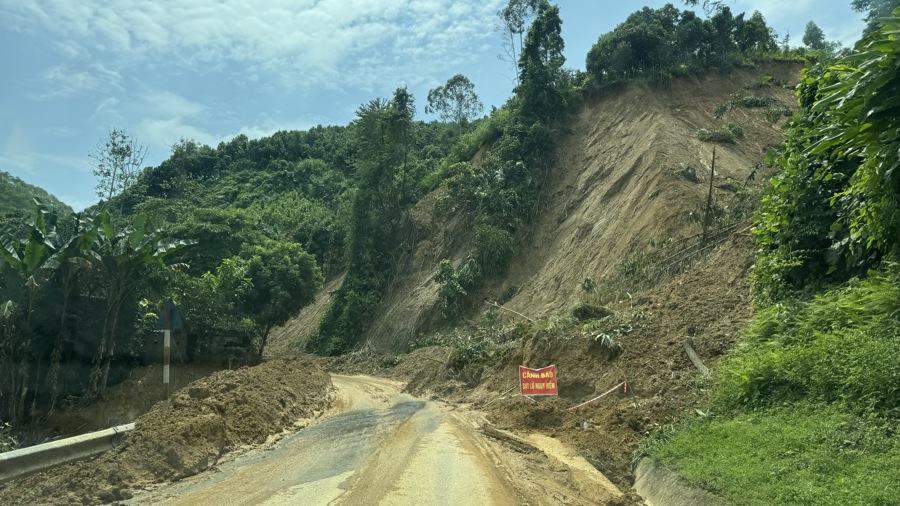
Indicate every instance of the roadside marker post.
{"type": "Point", "coordinates": [170, 321]}
{"type": "Point", "coordinates": [167, 347]}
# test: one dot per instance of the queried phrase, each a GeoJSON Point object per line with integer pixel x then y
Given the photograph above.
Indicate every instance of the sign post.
{"type": "Point", "coordinates": [167, 351]}
{"type": "Point", "coordinates": [170, 321]}
{"type": "Point", "coordinates": [538, 381]}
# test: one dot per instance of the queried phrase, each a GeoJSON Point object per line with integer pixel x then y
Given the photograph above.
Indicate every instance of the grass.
{"type": "Point", "coordinates": [807, 408]}
{"type": "Point", "coordinates": [815, 455]}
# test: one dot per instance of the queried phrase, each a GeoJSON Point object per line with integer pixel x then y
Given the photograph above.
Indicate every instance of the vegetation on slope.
{"type": "Point", "coordinates": [17, 199]}
{"type": "Point", "coordinates": [267, 219]}
{"type": "Point", "coordinates": [805, 411]}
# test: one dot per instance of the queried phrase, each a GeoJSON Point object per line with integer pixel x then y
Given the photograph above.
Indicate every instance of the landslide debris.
{"type": "Point", "coordinates": [226, 411]}
{"type": "Point", "coordinates": [709, 304]}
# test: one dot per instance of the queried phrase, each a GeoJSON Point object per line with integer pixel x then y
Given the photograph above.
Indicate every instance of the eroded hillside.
{"type": "Point", "coordinates": [630, 170]}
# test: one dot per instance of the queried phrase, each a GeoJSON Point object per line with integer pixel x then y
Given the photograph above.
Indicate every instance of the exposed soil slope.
{"type": "Point", "coordinates": [615, 186]}
{"type": "Point", "coordinates": [619, 182]}
{"type": "Point", "coordinates": [227, 411]}
{"type": "Point", "coordinates": [710, 305]}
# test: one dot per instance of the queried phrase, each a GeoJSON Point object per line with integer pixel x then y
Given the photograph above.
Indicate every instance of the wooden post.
{"type": "Point", "coordinates": [706, 218]}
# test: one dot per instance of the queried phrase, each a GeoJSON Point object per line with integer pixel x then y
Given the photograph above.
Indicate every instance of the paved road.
{"type": "Point", "coordinates": [381, 448]}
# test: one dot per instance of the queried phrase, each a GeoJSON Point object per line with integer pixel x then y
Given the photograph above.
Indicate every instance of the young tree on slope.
{"type": "Point", "coordinates": [514, 18]}
{"type": "Point", "coordinates": [117, 161]}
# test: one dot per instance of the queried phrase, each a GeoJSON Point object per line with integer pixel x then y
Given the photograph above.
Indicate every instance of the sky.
{"type": "Point", "coordinates": [209, 70]}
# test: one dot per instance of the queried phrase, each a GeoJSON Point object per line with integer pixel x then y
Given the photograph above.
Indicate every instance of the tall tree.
{"type": "Point", "coordinates": [541, 64]}
{"type": "Point", "coordinates": [814, 39]}
{"type": "Point", "coordinates": [455, 101]}
{"type": "Point", "coordinates": [514, 19]}
{"type": "Point", "coordinates": [117, 161]}
{"type": "Point", "coordinates": [874, 10]}
{"type": "Point", "coordinates": [383, 134]}
{"type": "Point", "coordinates": [24, 269]}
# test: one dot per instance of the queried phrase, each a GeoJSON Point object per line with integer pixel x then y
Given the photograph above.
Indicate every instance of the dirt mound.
{"type": "Point", "coordinates": [208, 418]}
{"type": "Point", "coordinates": [709, 305]}
{"type": "Point", "coordinates": [126, 401]}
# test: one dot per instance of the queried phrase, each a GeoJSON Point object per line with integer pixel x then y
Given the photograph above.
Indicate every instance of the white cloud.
{"type": "Point", "coordinates": [299, 43]}
{"type": "Point", "coordinates": [168, 117]}
{"type": "Point", "coordinates": [162, 133]}
{"type": "Point", "coordinates": [266, 126]}
{"type": "Point", "coordinates": [75, 80]}
{"type": "Point", "coordinates": [106, 107]}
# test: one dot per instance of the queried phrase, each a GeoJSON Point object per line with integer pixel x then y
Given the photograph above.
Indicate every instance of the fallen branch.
{"type": "Point", "coordinates": [498, 306]}
{"type": "Point", "coordinates": [689, 348]}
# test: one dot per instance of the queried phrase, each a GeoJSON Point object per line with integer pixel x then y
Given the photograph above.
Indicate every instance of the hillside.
{"type": "Point", "coordinates": [17, 198]}
{"type": "Point", "coordinates": [624, 177]}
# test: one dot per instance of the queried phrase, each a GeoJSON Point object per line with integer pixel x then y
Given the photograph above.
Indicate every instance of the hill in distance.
{"type": "Point", "coordinates": [17, 199]}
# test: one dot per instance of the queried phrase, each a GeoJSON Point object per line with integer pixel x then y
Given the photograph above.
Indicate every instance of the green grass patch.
{"type": "Point", "coordinates": [842, 346]}
{"type": "Point", "coordinates": [807, 407]}
{"type": "Point", "coordinates": [814, 455]}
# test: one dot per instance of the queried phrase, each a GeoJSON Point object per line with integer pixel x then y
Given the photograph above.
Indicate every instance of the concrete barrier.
{"type": "Point", "coordinates": [660, 486]}
{"type": "Point", "coordinates": [18, 463]}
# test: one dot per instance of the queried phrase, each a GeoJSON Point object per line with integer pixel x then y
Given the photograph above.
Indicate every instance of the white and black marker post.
{"type": "Point", "coordinates": [167, 347]}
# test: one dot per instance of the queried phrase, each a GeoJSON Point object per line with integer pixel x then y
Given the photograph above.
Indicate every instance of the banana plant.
{"type": "Point", "coordinates": [24, 271]}
{"type": "Point", "coordinates": [70, 261]}
{"type": "Point", "coordinates": [116, 258]}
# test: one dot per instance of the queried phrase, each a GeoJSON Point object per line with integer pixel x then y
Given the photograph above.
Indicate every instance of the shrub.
{"type": "Point", "coordinates": [493, 248]}
{"type": "Point", "coordinates": [840, 347]}
{"type": "Point", "coordinates": [727, 134]}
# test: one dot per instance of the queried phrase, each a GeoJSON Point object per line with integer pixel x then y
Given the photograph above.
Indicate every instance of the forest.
{"type": "Point", "coordinates": [242, 235]}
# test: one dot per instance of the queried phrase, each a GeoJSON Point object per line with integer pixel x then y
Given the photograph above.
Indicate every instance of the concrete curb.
{"type": "Point", "coordinates": [18, 463]}
{"type": "Point", "coordinates": [660, 486]}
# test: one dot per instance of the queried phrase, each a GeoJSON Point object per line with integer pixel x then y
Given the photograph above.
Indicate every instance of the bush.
{"type": "Point", "coordinates": [840, 347]}
{"type": "Point", "coordinates": [727, 134]}
{"type": "Point", "coordinates": [493, 248]}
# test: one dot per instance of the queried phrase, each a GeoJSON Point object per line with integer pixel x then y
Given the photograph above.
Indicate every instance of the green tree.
{"type": "Point", "coordinates": [117, 258]}
{"type": "Point", "coordinates": [284, 279]}
{"type": "Point", "coordinates": [24, 270]}
{"type": "Point", "coordinates": [70, 262]}
{"type": "Point", "coordinates": [541, 65]}
{"type": "Point", "coordinates": [514, 18]}
{"type": "Point", "coordinates": [832, 212]}
{"type": "Point", "coordinates": [814, 37]}
{"type": "Point", "coordinates": [874, 10]}
{"type": "Point", "coordinates": [383, 135]}
{"type": "Point", "coordinates": [455, 101]}
{"type": "Point", "coordinates": [862, 118]}
{"type": "Point", "coordinates": [117, 161]}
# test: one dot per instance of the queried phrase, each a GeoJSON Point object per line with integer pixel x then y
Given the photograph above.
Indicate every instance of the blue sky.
{"type": "Point", "coordinates": [211, 69]}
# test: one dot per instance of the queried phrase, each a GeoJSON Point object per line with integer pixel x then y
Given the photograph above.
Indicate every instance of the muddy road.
{"type": "Point", "coordinates": [379, 446]}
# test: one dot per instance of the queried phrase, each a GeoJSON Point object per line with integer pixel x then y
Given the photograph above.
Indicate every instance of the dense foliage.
{"type": "Point", "coordinates": [95, 269]}
{"type": "Point", "coordinates": [668, 41]}
{"type": "Point", "coordinates": [833, 210]}
{"type": "Point", "coordinates": [811, 392]}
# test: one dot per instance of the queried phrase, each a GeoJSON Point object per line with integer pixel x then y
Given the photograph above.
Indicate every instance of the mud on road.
{"type": "Point", "coordinates": [380, 446]}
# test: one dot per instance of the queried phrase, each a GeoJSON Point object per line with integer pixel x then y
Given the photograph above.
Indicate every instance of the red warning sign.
{"type": "Point", "coordinates": [537, 381]}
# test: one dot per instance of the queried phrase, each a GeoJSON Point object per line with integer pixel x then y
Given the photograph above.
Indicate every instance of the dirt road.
{"type": "Point", "coordinates": [379, 446]}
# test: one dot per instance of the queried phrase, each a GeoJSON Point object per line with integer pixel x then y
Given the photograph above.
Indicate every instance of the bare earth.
{"type": "Point", "coordinates": [380, 446]}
